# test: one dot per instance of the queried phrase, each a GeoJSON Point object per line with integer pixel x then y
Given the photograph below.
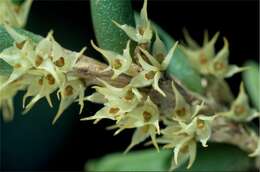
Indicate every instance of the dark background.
{"type": "Point", "coordinates": [30, 142]}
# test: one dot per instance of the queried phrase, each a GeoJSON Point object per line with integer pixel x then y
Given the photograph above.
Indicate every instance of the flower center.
{"type": "Point", "coordinates": [219, 65]}
{"type": "Point", "coordinates": [50, 79]}
{"type": "Point", "coordinates": [149, 75]}
{"type": "Point", "coordinates": [20, 45]}
{"type": "Point", "coordinates": [116, 64]}
{"type": "Point", "coordinates": [203, 58]}
{"type": "Point", "coordinates": [239, 109]}
{"type": "Point", "coordinates": [141, 30]}
{"type": "Point", "coordinates": [147, 116]}
{"type": "Point", "coordinates": [129, 96]}
{"type": "Point", "coordinates": [38, 60]}
{"type": "Point", "coordinates": [181, 112]}
{"type": "Point", "coordinates": [200, 124]}
{"type": "Point", "coordinates": [113, 110]}
{"type": "Point", "coordinates": [144, 46]}
{"type": "Point", "coordinates": [17, 65]}
{"type": "Point", "coordinates": [40, 81]}
{"type": "Point", "coordinates": [159, 57]}
{"type": "Point", "coordinates": [184, 149]}
{"type": "Point", "coordinates": [68, 90]}
{"type": "Point", "coordinates": [60, 62]}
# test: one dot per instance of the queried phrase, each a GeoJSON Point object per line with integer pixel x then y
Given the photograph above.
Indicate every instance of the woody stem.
{"type": "Point", "coordinates": [223, 130]}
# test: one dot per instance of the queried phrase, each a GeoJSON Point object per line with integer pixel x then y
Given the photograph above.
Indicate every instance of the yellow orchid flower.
{"type": "Point", "coordinates": [126, 98]}
{"type": "Point", "coordinates": [219, 66]}
{"type": "Point", "coordinates": [117, 101]}
{"type": "Point", "coordinates": [198, 56]}
{"type": "Point", "coordinates": [70, 91]}
{"type": "Point", "coordinates": [45, 84]}
{"type": "Point", "coordinates": [7, 95]}
{"type": "Point", "coordinates": [184, 112]}
{"type": "Point", "coordinates": [146, 114]}
{"type": "Point", "coordinates": [145, 118]}
{"type": "Point", "coordinates": [200, 128]}
{"type": "Point", "coordinates": [118, 63]}
{"type": "Point", "coordinates": [183, 144]}
{"type": "Point", "coordinates": [185, 149]}
{"type": "Point", "coordinates": [143, 32]}
{"type": "Point", "coordinates": [13, 14]}
{"type": "Point", "coordinates": [205, 60]}
{"type": "Point", "coordinates": [141, 134]}
{"type": "Point", "coordinates": [152, 72]}
{"type": "Point", "coordinates": [42, 68]}
{"type": "Point", "coordinates": [18, 60]}
{"type": "Point", "coordinates": [171, 135]}
{"type": "Point", "coordinates": [240, 110]}
{"type": "Point", "coordinates": [159, 50]}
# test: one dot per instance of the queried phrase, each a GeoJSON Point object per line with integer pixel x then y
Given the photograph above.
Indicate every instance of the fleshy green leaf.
{"type": "Point", "coordinates": [251, 77]}
{"type": "Point", "coordinates": [107, 34]}
{"type": "Point", "coordinates": [217, 157]}
{"type": "Point", "coordinates": [145, 160]}
{"type": "Point", "coordinates": [5, 68]}
{"type": "Point", "coordinates": [5, 39]}
{"type": "Point", "coordinates": [221, 158]}
{"type": "Point", "coordinates": [18, 2]}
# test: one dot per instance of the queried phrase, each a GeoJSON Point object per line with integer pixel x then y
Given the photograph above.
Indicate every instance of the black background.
{"type": "Point", "coordinates": [71, 21]}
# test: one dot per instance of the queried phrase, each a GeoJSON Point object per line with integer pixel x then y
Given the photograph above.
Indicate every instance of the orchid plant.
{"type": "Point", "coordinates": [136, 87]}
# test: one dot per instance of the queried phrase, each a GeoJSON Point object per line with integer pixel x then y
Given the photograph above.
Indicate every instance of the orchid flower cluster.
{"type": "Point", "coordinates": [130, 107]}
{"type": "Point", "coordinates": [206, 61]}
{"type": "Point", "coordinates": [14, 14]}
{"type": "Point", "coordinates": [44, 67]}
{"type": "Point", "coordinates": [40, 68]}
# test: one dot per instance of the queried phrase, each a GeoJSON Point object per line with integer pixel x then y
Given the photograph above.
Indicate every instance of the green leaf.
{"type": "Point", "coordinates": [6, 41]}
{"type": "Point", "coordinates": [18, 2]}
{"type": "Point", "coordinates": [5, 68]}
{"type": "Point", "coordinates": [251, 77]}
{"type": "Point", "coordinates": [107, 34]}
{"type": "Point", "coordinates": [217, 157]}
{"type": "Point", "coordinates": [221, 158]}
{"type": "Point", "coordinates": [145, 160]}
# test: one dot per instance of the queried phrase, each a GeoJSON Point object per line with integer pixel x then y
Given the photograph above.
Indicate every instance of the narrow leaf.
{"type": "Point", "coordinates": [251, 77]}
{"type": "Point", "coordinates": [145, 160]}
{"type": "Point", "coordinates": [217, 157]}
{"type": "Point", "coordinates": [18, 2]}
{"type": "Point", "coordinates": [103, 13]}
{"type": "Point", "coordinates": [5, 68]}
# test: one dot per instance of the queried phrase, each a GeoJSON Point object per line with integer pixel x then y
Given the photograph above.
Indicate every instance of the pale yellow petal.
{"type": "Point", "coordinates": [168, 57]}
{"type": "Point", "coordinates": [189, 40]}
{"type": "Point", "coordinates": [156, 84]}
{"type": "Point", "coordinates": [129, 30]}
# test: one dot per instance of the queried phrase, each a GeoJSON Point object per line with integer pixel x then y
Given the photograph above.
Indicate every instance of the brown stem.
{"type": "Point", "coordinates": [223, 131]}
{"type": "Point", "coordinates": [90, 69]}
